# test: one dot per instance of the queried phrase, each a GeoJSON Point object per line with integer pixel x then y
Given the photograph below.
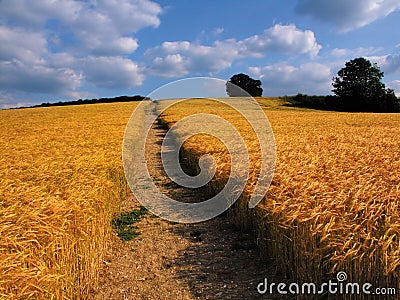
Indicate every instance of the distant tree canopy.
{"type": "Point", "coordinates": [359, 87]}
{"type": "Point", "coordinates": [245, 82]}
{"type": "Point", "coordinates": [93, 101]}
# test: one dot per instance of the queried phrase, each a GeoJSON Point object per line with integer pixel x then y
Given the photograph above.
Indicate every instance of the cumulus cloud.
{"type": "Point", "coordinates": [106, 28]}
{"type": "Point", "coordinates": [172, 65]}
{"type": "Point", "coordinates": [103, 26]}
{"type": "Point", "coordinates": [282, 38]}
{"type": "Point", "coordinates": [36, 78]}
{"type": "Point", "coordinates": [24, 45]}
{"type": "Point", "coordinates": [174, 59]}
{"type": "Point", "coordinates": [347, 15]}
{"type": "Point", "coordinates": [285, 79]}
{"type": "Point", "coordinates": [36, 13]}
{"type": "Point", "coordinates": [130, 16]}
{"type": "Point", "coordinates": [55, 47]}
{"type": "Point", "coordinates": [26, 64]}
{"type": "Point", "coordinates": [112, 72]}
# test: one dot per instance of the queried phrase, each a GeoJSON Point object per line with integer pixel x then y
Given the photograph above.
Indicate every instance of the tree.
{"type": "Point", "coordinates": [359, 87]}
{"type": "Point", "coordinates": [244, 82]}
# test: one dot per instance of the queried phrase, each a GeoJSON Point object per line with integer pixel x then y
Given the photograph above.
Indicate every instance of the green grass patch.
{"type": "Point", "coordinates": [123, 224]}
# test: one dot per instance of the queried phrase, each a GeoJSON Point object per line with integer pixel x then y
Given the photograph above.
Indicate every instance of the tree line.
{"type": "Point", "coordinates": [93, 101]}
{"type": "Point", "coordinates": [357, 87]}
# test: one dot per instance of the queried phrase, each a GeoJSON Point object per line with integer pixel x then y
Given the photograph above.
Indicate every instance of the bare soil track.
{"type": "Point", "coordinates": [209, 260]}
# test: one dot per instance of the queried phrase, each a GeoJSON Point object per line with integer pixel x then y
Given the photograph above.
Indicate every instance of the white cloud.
{"type": "Point", "coordinates": [123, 16]}
{"type": "Point", "coordinates": [27, 65]}
{"type": "Point", "coordinates": [53, 47]}
{"type": "Point", "coordinates": [130, 16]}
{"type": "Point", "coordinates": [174, 59]}
{"type": "Point", "coordinates": [170, 47]}
{"type": "Point", "coordinates": [20, 44]}
{"type": "Point", "coordinates": [283, 38]}
{"type": "Point", "coordinates": [106, 28]}
{"type": "Point", "coordinates": [347, 15]}
{"type": "Point", "coordinates": [97, 44]}
{"type": "Point", "coordinates": [103, 27]}
{"type": "Point", "coordinates": [38, 78]}
{"type": "Point", "coordinates": [284, 79]}
{"type": "Point", "coordinates": [112, 72]}
{"type": "Point", "coordinates": [172, 65]}
{"type": "Point", "coordinates": [36, 13]}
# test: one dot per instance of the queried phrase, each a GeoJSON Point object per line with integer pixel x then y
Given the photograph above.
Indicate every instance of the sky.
{"type": "Point", "coordinates": [58, 50]}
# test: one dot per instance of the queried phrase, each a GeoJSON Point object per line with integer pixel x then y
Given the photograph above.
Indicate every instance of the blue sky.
{"type": "Point", "coordinates": [67, 49]}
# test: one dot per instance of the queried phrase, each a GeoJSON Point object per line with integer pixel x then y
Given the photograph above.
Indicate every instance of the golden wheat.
{"type": "Point", "coordinates": [332, 205]}
{"type": "Point", "coordinates": [60, 179]}
{"type": "Point", "coordinates": [334, 200]}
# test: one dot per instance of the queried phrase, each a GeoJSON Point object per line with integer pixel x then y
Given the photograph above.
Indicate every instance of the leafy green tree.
{"type": "Point", "coordinates": [359, 87]}
{"type": "Point", "coordinates": [245, 82]}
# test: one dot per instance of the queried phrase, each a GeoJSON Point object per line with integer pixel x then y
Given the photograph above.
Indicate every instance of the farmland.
{"type": "Point", "coordinates": [333, 204]}
{"type": "Point", "coordinates": [60, 183]}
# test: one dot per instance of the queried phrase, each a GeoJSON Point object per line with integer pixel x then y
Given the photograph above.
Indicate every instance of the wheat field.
{"type": "Point", "coordinates": [333, 204]}
{"type": "Point", "coordinates": [61, 181]}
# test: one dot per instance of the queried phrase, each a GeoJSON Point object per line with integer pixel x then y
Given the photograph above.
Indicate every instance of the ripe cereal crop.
{"type": "Point", "coordinates": [333, 204]}
{"type": "Point", "coordinates": [61, 180]}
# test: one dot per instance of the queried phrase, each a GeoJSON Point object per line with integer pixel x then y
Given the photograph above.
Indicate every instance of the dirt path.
{"type": "Point", "coordinates": [209, 260]}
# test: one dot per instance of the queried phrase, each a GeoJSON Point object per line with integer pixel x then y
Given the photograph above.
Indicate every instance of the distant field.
{"type": "Point", "coordinates": [334, 201]}
{"type": "Point", "coordinates": [60, 175]}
